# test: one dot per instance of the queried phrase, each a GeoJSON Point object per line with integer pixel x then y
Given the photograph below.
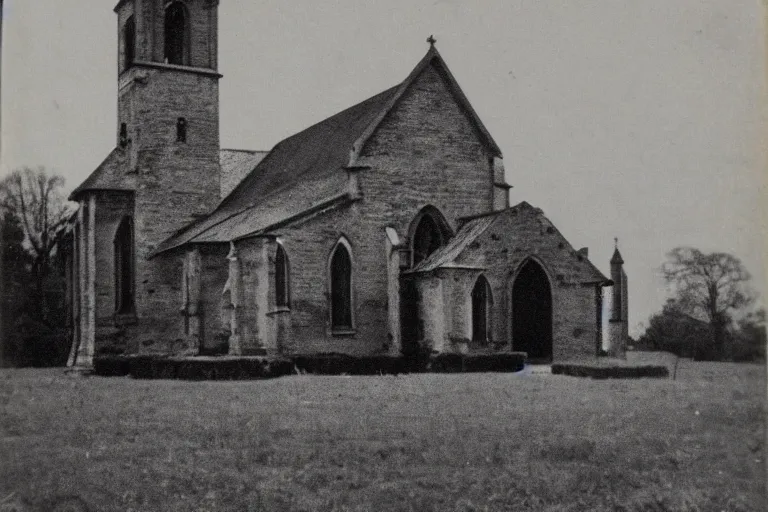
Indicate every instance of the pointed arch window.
{"type": "Point", "coordinates": [176, 34]}
{"type": "Point", "coordinates": [129, 42]}
{"type": "Point", "coordinates": [124, 272]}
{"type": "Point", "coordinates": [481, 307]}
{"type": "Point", "coordinates": [282, 279]}
{"type": "Point", "coordinates": [340, 281]}
{"type": "Point", "coordinates": [429, 231]}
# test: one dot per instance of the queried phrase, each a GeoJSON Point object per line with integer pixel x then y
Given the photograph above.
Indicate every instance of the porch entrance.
{"type": "Point", "coordinates": [532, 313]}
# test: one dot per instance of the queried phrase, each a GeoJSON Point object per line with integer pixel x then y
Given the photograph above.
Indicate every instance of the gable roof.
{"type": "Point", "coordinates": [320, 150]}
{"type": "Point", "coordinates": [432, 57]}
{"type": "Point", "coordinates": [473, 228]}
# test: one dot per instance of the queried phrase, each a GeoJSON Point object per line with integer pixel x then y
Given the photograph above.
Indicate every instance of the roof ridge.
{"type": "Point", "coordinates": [245, 150]}
{"type": "Point", "coordinates": [431, 55]}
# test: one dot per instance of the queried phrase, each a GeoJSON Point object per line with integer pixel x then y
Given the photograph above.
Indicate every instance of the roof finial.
{"type": "Point", "coordinates": [615, 242]}
{"type": "Point", "coordinates": [431, 40]}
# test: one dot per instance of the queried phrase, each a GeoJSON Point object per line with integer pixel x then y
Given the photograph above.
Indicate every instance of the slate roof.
{"type": "Point", "coordinates": [444, 256]}
{"type": "Point", "coordinates": [320, 149]}
{"type": "Point", "coordinates": [323, 149]}
{"type": "Point", "coordinates": [110, 174]}
{"type": "Point", "coordinates": [240, 162]}
{"type": "Point", "coordinates": [473, 228]}
{"type": "Point", "coordinates": [107, 176]}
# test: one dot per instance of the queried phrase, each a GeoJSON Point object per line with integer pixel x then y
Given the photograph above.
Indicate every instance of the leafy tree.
{"type": "Point", "coordinates": [673, 330]}
{"type": "Point", "coordinates": [34, 214]}
{"type": "Point", "coordinates": [15, 264]}
{"type": "Point", "coordinates": [750, 339]}
{"type": "Point", "coordinates": [34, 197]}
{"type": "Point", "coordinates": [708, 287]}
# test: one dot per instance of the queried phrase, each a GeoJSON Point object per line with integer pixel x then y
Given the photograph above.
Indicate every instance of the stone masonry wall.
{"type": "Point", "coordinates": [177, 182]}
{"type": "Point", "coordinates": [521, 233]}
{"type": "Point", "coordinates": [111, 208]}
{"type": "Point", "coordinates": [425, 152]}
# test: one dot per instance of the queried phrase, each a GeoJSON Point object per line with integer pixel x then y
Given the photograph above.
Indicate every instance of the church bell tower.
{"type": "Point", "coordinates": [168, 106]}
{"type": "Point", "coordinates": [167, 137]}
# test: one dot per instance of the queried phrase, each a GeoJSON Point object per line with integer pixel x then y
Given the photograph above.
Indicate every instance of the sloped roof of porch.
{"type": "Point", "coordinates": [473, 228]}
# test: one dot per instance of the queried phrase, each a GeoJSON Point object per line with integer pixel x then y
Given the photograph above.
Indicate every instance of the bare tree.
{"type": "Point", "coordinates": [35, 198]}
{"type": "Point", "coordinates": [709, 287]}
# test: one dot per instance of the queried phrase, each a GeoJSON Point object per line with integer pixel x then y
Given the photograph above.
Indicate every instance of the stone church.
{"type": "Point", "coordinates": [384, 228]}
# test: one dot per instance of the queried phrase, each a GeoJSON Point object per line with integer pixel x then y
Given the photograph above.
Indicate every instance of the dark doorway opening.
{"type": "Point", "coordinates": [410, 327]}
{"type": "Point", "coordinates": [532, 313]}
{"type": "Point", "coordinates": [481, 295]}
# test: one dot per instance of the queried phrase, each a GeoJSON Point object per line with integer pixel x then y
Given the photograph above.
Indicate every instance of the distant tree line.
{"type": "Point", "coordinates": [33, 216]}
{"type": "Point", "coordinates": [711, 315]}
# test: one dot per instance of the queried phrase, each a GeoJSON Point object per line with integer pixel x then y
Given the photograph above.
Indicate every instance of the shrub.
{"type": "Point", "coordinates": [609, 372]}
{"type": "Point", "coordinates": [500, 362]}
{"type": "Point", "coordinates": [111, 366]}
{"type": "Point", "coordinates": [225, 368]}
{"type": "Point", "coordinates": [338, 364]}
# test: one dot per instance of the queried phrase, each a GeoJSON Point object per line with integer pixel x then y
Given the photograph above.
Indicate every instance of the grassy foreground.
{"type": "Point", "coordinates": [415, 442]}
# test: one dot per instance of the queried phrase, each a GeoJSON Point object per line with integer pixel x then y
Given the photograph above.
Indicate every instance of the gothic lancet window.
{"type": "Point", "coordinates": [481, 300]}
{"type": "Point", "coordinates": [282, 279]}
{"type": "Point", "coordinates": [341, 288]}
{"type": "Point", "coordinates": [176, 34]}
{"type": "Point", "coordinates": [129, 40]}
{"type": "Point", "coordinates": [123, 253]}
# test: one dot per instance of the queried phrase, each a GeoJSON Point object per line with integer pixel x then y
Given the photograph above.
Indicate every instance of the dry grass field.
{"type": "Point", "coordinates": [423, 442]}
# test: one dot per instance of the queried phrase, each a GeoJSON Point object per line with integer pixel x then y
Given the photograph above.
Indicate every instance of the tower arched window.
{"type": "Point", "coordinates": [340, 280]}
{"type": "Point", "coordinates": [481, 307]}
{"type": "Point", "coordinates": [129, 42]}
{"type": "Point", "coordinates": [282, 279]}
{"type": "Point", "coordinates": [124, 273]}
{"type": "Point", "coordinates": [176, 34]}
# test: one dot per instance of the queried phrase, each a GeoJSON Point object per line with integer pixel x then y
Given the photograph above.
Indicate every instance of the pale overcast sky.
{"type": "Point", "coordinates": [637, 119]}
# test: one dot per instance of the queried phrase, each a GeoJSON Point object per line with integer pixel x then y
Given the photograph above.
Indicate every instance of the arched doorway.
{"type": "Point", "coordinates": [532, 312]}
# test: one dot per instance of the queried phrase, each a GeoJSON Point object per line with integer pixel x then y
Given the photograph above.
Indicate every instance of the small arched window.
{"type": "Point", "coordinates": [341, 287]}
{"type": "Point", "coordinates": [176, 34]}
{"type": "Point", "coordinates": [123, 254]}
{"type": "Point", "coordinates": [282, 279]}
{"type": "Point", "coordinates": [129, 42]}
{"type": "Point", "coordinates": [481, 306]}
